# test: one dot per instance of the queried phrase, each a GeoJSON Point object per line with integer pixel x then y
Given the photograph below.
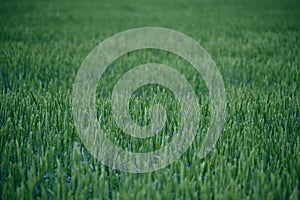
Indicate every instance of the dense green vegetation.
{"type": "Point", "coordinates": [256, 46]}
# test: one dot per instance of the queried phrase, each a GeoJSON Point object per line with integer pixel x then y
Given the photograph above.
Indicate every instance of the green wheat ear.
{"type": "Point", "coordinates": [254, 43]}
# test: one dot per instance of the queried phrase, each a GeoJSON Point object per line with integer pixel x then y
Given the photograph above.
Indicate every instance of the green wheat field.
{"type": "Point", "coordinates": [256, 47]}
